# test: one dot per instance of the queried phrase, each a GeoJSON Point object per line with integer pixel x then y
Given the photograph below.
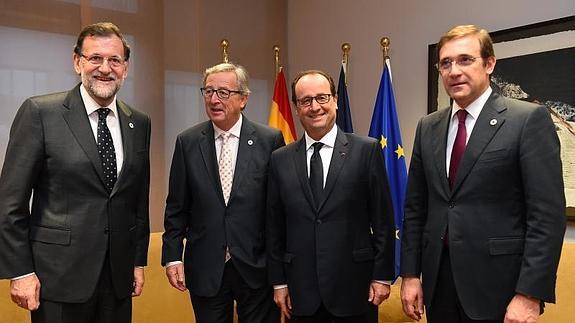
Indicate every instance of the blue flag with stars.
{"type": "Point", "coordinates": [385, 128]}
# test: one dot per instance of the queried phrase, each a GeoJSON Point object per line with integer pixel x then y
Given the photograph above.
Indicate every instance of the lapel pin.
{"type": "Point", "coordinates": [131, 125]}
{"type": "Point", "coordinates": [250, 142]}
{"type": "Point", "coordinates": [493, 122]}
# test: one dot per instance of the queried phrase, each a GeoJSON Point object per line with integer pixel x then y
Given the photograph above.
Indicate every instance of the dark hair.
{"type": "Point", "coordinates": [485, 42]}
{"type": "Point", "coordinates": [101, 29]}
{"type": "Point", "coordinates": [304, 73]}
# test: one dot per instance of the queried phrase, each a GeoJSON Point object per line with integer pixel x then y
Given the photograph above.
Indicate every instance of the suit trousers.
{"type": "Point", "coordinates": [102, 307]}
{"type": "Point", "coordinates": [253, 305]}
{"type": "Point", "coordinates": [322, 315]}
{"type": "Point", "coordinates": [445, 306]}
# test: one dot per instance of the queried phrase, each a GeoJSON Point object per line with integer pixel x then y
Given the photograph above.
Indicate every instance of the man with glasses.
{"type": "Point", "coordinates": [216, 202]}
{"type": "Point", "coordinates": [76, 253]}
{"type": "Point", "coordinates": [330, 225]}
{"type": "Point", "coordinates": [485, 207]}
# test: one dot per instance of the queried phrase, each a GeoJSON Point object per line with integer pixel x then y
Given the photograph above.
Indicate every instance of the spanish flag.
{"type": "Point", "coordinates": [280, 114]}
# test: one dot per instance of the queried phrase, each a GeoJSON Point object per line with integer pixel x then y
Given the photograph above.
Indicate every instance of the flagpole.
{"type": "Point", "coordinates": [345, 47]}
{"type": "Point", "coordinates": [225, 44]}
{"type": "Point", "coordinates": [385, 47]}
{"type": "Point", "coordinates": [276, 49]}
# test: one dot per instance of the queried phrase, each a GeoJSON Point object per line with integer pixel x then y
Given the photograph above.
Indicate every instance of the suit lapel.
{"type": "Point", "coordinates": [439, 143]}
{"type": "Point", "coordinates": [300, 160]}
{"type": "Point", "coordinates": [208, 150]}
{"type": "Point", "coordinates": [488, 123]}
{"type": "Point", "coordinates": [79, 124]}
{"type": "Point", "coordinates": [127, 126]}
{"type": "Point", "coordinates": [340, 151]}
{"type": "Point", "coordinates": [247, 143]}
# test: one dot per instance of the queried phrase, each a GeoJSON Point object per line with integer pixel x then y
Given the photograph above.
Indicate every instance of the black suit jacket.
{"type": "Point", "coordinates": [73, 221]}
{"type": "Point", "coordinates": [196, 211]}
{"type": "Point", "coordinates": [330, 254]}
{"type": "Point", "coordinates": [506, 212]}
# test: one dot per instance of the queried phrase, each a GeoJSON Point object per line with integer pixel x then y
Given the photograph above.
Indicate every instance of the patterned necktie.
{"type": "Point", "coordinates": [106, 150]}
{"type": "Point", "coordinates": [458, 147]}
{"type": "Point", "coordinates": [225, 167]}
{"type": "Point", "coordinates": [316, 174]}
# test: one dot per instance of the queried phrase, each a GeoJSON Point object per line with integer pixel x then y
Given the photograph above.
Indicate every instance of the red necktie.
{"type": "Point", "coordinates": [458, 147]}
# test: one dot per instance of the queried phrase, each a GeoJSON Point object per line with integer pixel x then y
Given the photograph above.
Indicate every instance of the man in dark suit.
{"type": "Point", "coordinates": [485, 208]}
{"type": "Point", "coordinates": [77, 254]}
{"type": "Point", "coordinates": [217, 203]}
{"type": "Point", "coordinates": [330, 217]}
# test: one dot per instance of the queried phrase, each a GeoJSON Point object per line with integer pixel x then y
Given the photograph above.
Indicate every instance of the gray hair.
{"type": "Point", "coordinates": [241, 75]}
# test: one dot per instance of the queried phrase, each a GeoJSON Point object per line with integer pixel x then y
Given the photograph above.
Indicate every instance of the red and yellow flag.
{"type": "Point", "coordinates": [280, 113]}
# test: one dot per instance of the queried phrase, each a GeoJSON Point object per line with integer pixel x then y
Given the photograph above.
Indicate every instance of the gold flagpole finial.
{"type": "Point", "coordinates": [225, 44]}
{"type": "Point", "coordinates": [385, 47]}
{"type": "Point", "coordinates": [345, 47]}
{"type": "Point", "coordinates": [276, 49]}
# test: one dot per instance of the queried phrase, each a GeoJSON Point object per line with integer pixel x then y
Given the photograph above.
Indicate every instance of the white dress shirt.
{"type": "Point", "coordinates": [325, 152]}
{"type": "Point", "coordinates": [473, 111]}
{"type": "Point", "coordinates": [233, 141]}
{"type": "Point", "coordinates": [112, 120]}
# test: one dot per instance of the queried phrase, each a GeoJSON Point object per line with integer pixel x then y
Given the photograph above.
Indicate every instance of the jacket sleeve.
{"type": "Point", "coordinates": [381, 217]}
{"type": "Point", "coordinates": [540, 164]}
{"type": "Point", "coordinates": [22, 166]}
{"type": "Point", "coordinates": [415, 214]}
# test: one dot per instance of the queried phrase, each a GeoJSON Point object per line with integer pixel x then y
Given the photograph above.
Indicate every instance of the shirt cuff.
{"type": "Point", "coordinates": [23, 276]}
{"type": "Point", "coordinates": [172, 263]}
{"type": "Point", "coordinates": [383, 282]}
{"type": "Point", "coordinates": [280, 286]}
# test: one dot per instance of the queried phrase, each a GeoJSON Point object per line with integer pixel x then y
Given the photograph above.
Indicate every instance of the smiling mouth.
{"type": "Point", "coordinates": [104, 79]}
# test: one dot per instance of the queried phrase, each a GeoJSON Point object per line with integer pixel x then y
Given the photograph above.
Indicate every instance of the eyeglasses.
{"type": "Point", "coordinates": [307, 101]}
{"type": "Point", "coordinates": [98, 60]}
{"type": "Point", "coordinates": [223, 94]}
{"type": "Point", "coordinates": [461, 61]}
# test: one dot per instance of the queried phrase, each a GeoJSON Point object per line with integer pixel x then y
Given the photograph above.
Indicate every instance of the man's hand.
{"type": "Point", "coordinates": [283, 301]}
{"type": "Point", "coordinates": [138, 281]}
{"type": "Point", "coordinates": [378, 292]}
{"type": "Point", "coordinates": [25, 292]}
{"type": "Point", "coordinates": [412, 297]}
{"type": "Point", "coordinates": [522, 309]}
{"type": "Point", "coordinates": [176, 276]}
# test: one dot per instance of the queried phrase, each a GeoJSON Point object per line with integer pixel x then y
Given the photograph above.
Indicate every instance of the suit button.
{"type": "Point", "coordinates": [318, 221]}
{"type": "Point", "coordinates": [451, 204]}
{"type": "Point", "coordinates": [106, 230]}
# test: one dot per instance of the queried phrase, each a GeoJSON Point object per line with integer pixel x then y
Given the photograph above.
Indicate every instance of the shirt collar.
{"type": "Point", "coordinates": [91, 105]}
{"type": "Point", "coordinates": [474, 109]}
{"type": "Point", "coordinates": [234, 130]}
{"type": "Point", "coordinates": [327, 140]}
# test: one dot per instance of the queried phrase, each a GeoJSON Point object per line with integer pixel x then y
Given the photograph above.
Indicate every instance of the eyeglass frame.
{"type": "Point", "coordinates": [457, 61]}
{"type": "Point", "coordinates": [109, 59]}
{"type": "Point", "coordinates": [300, 104]}
{"type": "Point", "coordinates": [217, 92]}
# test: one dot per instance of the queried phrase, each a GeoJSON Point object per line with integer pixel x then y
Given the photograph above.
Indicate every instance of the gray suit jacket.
{"type": "Point", "coordinates": [506, 212]}
{"type": "Point", "coordinates": [196, 211]}
{"type": "Point", "coordinates": [73, 221]}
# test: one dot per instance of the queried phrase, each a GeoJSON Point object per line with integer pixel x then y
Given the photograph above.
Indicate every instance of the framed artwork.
{"type": "Point", "coordinates": [535, 63]}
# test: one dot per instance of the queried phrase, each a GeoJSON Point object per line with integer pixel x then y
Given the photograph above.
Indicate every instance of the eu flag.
{"type": "Point", "coordinates": [343, 115]}
{"type": "Point", "coordinates": [385, 128]}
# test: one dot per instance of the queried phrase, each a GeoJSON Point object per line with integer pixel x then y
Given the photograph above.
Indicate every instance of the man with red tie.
{"type": "Point", "coordinates": [484, 211]}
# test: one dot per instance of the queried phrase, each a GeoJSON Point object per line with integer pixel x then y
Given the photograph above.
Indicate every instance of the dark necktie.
{"type": "Point", "coordinates": [458, 147]}
{"type": "Point", "coordinates": [106, 149]}
{"type": "Point", "coordinates": [316, 174]}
